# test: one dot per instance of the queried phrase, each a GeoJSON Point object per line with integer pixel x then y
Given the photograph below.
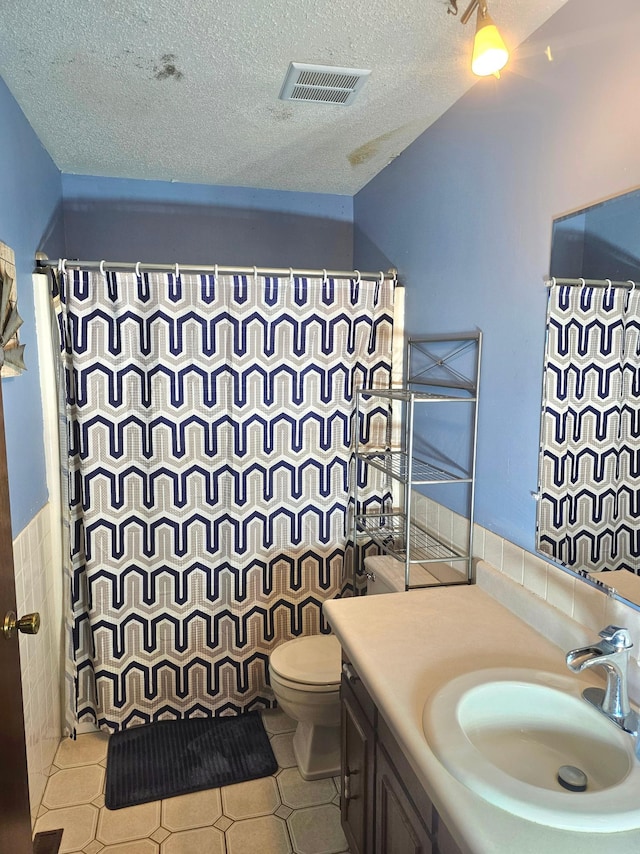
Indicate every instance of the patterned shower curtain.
{"type": "Point", "coordinates": [209, 436]}
{"type": "Point", "coordinates": [589, 493]}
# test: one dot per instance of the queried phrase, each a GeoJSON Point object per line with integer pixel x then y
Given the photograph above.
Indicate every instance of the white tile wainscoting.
{"type": "Point", "coordinates": [525, 583]}
{"type": "Point", "coordinates": [38, 588]}
{"type": "Point", "coordinates": [567, 610]}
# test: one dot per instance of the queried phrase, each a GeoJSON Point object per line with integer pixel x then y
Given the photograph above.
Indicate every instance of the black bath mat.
{"type": "Point", "coordinates": [168, 758]}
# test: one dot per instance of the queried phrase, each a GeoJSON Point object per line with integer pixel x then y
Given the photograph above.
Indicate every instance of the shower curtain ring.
{"type": "Point", "coordinates": [291, 276]}
{"type": "Point", "coordinates": [324, 277]}
{"type": "Point", "coordinates": [215, 274]}
{"type": "Point", "coordinates": [381, 277]}
{"type": "Point", "coordinates": [177, 272]}
{"type": "Point", "coordinates": [359, 278]}
{"type": "Point", "coordinates": [138, 269]}
{"type": "Point", "coordinates": [62, 266]}
{"type": "Point", "coordinates": [632, 283]}
{"type": "Point", "coordinates": [102, 269]}
{"type": "Point", "coordinates": [255, 276]}
{"type": "Point", "coordinates": [583, 281]}
{"type": "Point", "coordinates": [609, 287]}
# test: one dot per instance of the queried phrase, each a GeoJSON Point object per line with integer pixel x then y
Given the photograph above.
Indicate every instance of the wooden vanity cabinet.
{"type": "Point", "coordinates": [404, 813]}
{"type": "Point", "coordinates": [357, 789]}
{"type": "Point", "coordinates": [384, 808]}
{"type": "Point", "coordinates": [446, 842]}
{"type": "Point", "coordinates": [398, 827]}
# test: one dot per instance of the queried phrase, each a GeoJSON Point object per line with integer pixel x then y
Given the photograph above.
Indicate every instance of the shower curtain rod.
{"type": "Point", "coordinates": [588, 283]}
{"type": "Point", "coordinates": [216, 269]}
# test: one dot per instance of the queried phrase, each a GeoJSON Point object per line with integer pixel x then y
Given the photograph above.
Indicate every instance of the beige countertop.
{"type": "Point", "coordinates": [404, 646]}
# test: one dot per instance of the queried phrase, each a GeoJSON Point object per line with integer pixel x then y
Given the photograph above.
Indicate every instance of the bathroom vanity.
{"type": "Point", "coordinates": [397, 797]}
{"type": "Point", "coordinates": [383, 806]}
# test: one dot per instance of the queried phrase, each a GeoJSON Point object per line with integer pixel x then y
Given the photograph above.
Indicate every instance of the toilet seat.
{"type": "Point", "coordinates": [304, 674]}
{"type": "Point", "coordinates": [312, 662]}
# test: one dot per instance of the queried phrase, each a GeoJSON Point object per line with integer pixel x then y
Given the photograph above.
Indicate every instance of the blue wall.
{"type": "Point", "coordinates": [30, 220]}
{"type": "Point", "coordinates": [126, 220]}
{"type": "Point", "coordinates": [118, 219]}
{"type": "Point", "coordinates": [162, 222]}
{"type": "Point", "coordinates": [466, 215]}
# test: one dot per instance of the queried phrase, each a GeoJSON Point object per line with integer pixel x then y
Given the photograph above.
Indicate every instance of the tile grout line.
{"type": "Point", "coordinates": [91, 760]}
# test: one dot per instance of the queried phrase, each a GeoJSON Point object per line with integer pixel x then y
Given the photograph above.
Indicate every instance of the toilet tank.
{"type": "Point", "coordinates": [385, 574]}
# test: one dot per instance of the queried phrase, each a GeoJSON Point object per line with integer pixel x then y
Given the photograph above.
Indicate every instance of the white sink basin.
{"type": "Point", "coordinates": [505, 733]}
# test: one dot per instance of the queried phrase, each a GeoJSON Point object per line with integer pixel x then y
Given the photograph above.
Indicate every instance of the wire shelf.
{"type": "Point", "coordinates": [409, 450]}
{"type": "Point", "coordinates": [396, 465]}
{"type": "Point", "coordinates": [389, 531]}
{"type": "Point", "coordinates": [406, 394]}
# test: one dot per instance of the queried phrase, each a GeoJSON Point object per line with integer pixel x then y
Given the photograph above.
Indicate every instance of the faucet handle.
{"type": "Point", "coordinates": [617, 636]}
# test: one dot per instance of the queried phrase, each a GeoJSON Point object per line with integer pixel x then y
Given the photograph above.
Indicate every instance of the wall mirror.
{"type": "Point", "coordinates": [588, 515]}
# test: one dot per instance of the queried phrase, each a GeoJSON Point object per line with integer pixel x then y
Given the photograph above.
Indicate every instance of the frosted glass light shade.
{"type": "Point", "coordinates": [490, 53]}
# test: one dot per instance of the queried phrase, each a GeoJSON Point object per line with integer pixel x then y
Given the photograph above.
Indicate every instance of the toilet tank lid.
{"type": "Point", "coordinates": [311, 660]}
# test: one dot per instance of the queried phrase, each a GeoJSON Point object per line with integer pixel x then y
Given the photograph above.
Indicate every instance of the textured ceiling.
{"type": "Point", "coordinates": [188, 90]}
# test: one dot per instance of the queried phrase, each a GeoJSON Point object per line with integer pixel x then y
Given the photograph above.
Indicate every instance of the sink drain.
{"type": "Point", "coordinates": [572, 778]}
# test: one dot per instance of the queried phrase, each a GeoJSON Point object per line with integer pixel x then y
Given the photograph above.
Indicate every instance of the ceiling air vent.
{"type": "Point", "coordinates": [322, 84]}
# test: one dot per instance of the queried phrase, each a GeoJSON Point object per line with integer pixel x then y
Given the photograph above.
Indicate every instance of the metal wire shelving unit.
{"type": "Point", "coordinates": [441, 370]}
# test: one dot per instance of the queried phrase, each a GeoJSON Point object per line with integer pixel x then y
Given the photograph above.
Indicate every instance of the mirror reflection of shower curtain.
{"type": "Point", "coordinates": [589, 490]}
{"type": "Point", "coordinates": [209, 424]}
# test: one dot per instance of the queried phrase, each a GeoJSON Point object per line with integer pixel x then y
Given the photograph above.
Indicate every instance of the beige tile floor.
{"type": "Point", "coordinates": [282, 814]}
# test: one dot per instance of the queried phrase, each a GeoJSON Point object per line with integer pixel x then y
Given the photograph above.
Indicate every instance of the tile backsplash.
{"type": "Point", "coordinates": [536, 590]}
{"type": "Point", "coordinates": [38, 589]}
{"type": "Point", "coordinates": [533, 588]}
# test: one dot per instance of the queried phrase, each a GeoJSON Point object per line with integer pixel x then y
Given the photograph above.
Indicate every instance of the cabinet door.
{"type": "Point", "coordinates": [446, 842]}
{"type": "Point", "coordinates": [399, 829]}
{"type": "Point", "coordinates": [357, 766]}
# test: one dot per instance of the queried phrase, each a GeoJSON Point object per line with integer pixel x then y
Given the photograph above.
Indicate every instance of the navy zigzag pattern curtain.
{"type": "Point", "coordinates": [209, 439]}
{"type": "Point", "coordinates": [589, 499]}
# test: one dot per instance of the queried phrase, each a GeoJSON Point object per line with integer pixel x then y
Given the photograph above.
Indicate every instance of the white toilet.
{"type": "Point", "coordinates": [305, 677]}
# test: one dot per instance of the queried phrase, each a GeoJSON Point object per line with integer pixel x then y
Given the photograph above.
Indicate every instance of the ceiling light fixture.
{"type": "Point", "coordinates": [490, 54]}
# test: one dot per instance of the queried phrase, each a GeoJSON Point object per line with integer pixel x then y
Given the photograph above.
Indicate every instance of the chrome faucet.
{"type": "Point", "coordinates": [612, 653]}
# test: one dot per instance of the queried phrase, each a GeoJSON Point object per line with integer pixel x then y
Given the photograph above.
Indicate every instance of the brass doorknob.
{"type": "Point", "coordinates": [28, 625]}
